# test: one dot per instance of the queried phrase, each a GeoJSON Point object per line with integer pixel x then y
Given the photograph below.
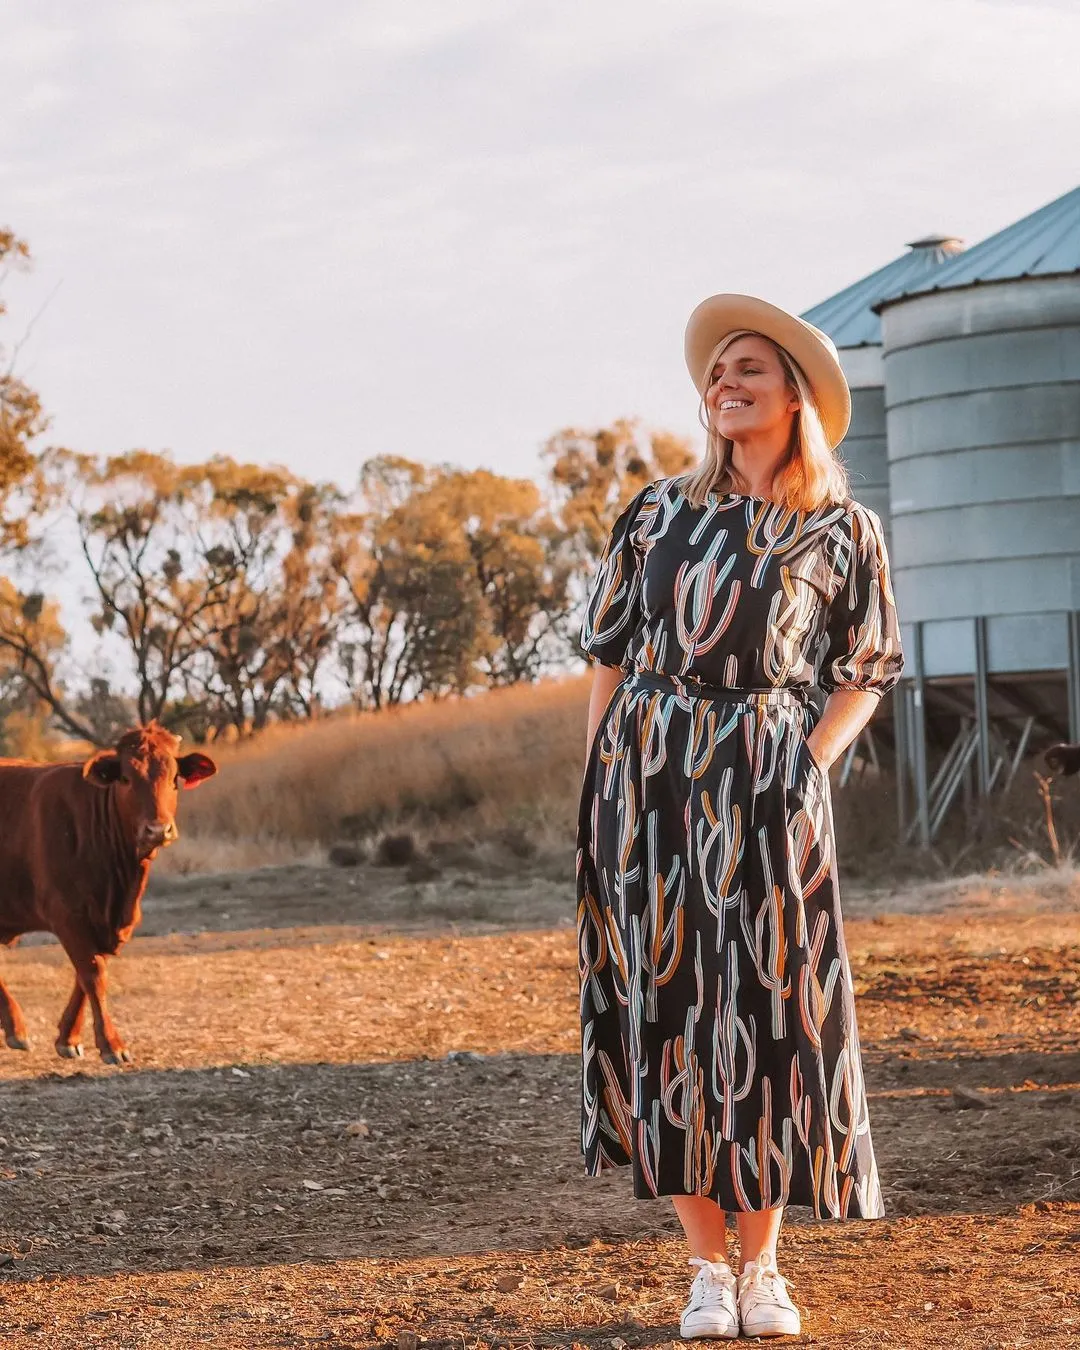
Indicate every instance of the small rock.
{"type": "Point", "coordinates": [422, 869]}
{"type": "Point", "coordinates": [359, 1129]}
{"type": "Point", "coordinates": [313, 1185]}
{"type": "Point", "coordinates": [518, 841]}
{"type": "Point", "coordinates": [609, 1293]}
{"type": "Point", "coordinates": [617, 1343]}
{"type": "Point", "coordinates": [911, 1034]}
{"type": "Point", "coordinates": [345, 855]}
{"type": "Point", "coordinates": [408, 1340]}
{"type": "Point", "coordinates": [965, 1098]}
{"type": "Point", "coordinates": [395, 850]}
{"type": "Point", "coordinates": [982, 1020]}
{"type": "Point", "coordinates": [464, 1057]}
{"type": "Point", "coordinates": [507, 1283]}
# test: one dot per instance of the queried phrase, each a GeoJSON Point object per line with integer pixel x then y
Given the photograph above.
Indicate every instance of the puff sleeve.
{"type": "Point", "coordinates": [613, 613]}
{"type": "Point", "coordinates": [862, 649]}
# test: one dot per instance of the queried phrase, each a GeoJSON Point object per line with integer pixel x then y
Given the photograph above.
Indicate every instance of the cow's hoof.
{"type": "Point", "coordinates": [67, 1050]}
{"type": "Point", "coordinates": [116, 1056]}
{"type": "Point", "coordinates": [17, 1043]}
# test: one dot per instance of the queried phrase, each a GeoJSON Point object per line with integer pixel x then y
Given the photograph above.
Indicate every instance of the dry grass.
{"type": "Point", "coordinates": [509, 762]}
{"type": "Point", "coordinates": [507, 758]}
{"type": "Point", "coordinates": [210, 853]}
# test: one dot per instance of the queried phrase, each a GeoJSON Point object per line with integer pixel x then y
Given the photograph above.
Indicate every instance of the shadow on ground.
{"type": "Point", "coordinates": [148, 1170]}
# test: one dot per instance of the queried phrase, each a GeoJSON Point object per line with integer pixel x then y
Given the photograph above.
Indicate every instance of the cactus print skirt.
{"type": "Point", "coordinates": [720, 1054]}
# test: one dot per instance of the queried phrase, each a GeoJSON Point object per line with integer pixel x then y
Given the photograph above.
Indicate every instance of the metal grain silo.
{"type": "Point", "coordinates": [982, 393]}
{"type": "Point", "coordinates": [850, 320]}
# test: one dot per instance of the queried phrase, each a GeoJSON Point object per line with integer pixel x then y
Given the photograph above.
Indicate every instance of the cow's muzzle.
{"type": "Point", "coordinates": [158, 835]}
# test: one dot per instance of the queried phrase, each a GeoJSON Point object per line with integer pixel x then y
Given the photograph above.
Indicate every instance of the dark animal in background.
{"type": "Point", "coordinates": [76, 844]}
{"type": "Point", "coordinates": [1063, 758]}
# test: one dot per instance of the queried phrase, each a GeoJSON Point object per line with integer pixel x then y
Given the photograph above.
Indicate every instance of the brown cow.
{"type": "Point", "coordinates": [76, 844]}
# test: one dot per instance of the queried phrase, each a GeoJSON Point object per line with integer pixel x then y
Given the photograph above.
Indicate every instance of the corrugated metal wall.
{"type": "Point", "coordinates": [864, 449]}
{"type": "Point", "coordinates": [982, 395]}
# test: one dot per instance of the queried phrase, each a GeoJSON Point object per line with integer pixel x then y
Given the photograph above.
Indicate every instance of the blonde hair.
{"type": "Point", "coordinates": [810, 476]}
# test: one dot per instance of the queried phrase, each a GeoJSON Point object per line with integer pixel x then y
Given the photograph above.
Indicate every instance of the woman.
{"type": "Point", "coordinates": [720, 1054]}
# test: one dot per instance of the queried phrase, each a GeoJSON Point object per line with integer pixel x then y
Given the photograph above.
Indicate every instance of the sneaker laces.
{"type": "Point", "coordinates": [762, 1275]}
{"type": "Point", "coordinates": [718, 1271]}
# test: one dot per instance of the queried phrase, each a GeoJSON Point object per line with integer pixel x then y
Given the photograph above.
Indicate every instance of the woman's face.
{"type": "Point", "coordinates": [748, 395]}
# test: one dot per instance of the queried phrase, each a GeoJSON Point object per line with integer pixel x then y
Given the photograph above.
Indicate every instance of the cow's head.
{"type": "Point", "coordinates": [146, 773]}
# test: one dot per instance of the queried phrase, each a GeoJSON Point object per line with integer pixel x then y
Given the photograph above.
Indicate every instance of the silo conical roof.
{"type": "Point", "coordinates": [1044, 244]}
{"type": "Point", "coordinates": [849, 318]}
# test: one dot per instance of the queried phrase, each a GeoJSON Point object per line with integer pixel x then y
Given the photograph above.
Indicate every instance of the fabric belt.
{"type": "Point", "coordinates": [687, 686]}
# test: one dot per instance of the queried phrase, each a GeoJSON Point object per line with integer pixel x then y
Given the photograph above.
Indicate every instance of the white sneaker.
{"type": "Point", "coordinates": [711, 1311]}
{"type": "Point", "coordinates": [764, 1305]}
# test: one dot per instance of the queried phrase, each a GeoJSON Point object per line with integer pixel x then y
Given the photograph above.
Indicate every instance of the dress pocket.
{"type": "Point", "coordinates": [804, 749]}
{"type": "Point", "coordinates": [819, 768]}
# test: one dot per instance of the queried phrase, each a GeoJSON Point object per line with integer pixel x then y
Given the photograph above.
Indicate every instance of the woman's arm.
{"type": "Point", "coordinates": [605, 681]}
{"type": "Point", "coordinates": [845, 714]}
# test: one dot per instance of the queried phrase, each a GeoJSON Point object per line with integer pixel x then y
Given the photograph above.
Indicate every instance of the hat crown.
{"type": "Point", "coordinates": [814, 352]}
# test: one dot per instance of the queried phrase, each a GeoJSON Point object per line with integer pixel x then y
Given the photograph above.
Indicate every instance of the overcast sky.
{"type": "Point", "coordinates": [310, 232]}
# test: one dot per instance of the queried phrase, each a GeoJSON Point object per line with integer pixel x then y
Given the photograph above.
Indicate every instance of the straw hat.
{"type": "Point", "coordinates": [715, 318]}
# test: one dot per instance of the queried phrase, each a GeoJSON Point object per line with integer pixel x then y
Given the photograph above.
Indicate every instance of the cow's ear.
{"type": "Point", "coordinates": [194, 768]}
{"type": "Point", "coordinates": [103, 769]}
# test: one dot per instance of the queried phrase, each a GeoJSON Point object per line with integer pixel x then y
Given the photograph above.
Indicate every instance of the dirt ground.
{"type": "Point", "coordinates": [352, 1121]}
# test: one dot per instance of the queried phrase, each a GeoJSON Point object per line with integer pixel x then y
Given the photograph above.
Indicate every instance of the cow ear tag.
{"type": "Point", "coordinates": [194, 768]}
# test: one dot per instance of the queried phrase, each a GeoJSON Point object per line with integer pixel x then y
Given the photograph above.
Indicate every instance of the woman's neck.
{"type": "Point", "coordinates": [757, 462]}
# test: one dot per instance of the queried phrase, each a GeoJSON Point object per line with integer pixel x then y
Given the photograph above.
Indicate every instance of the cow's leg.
{"type": "Point", "coordinates": [11, 1021]}
{"type": "Point", "coordinates": [90, 972]}
{"type": "Point", "coordinates": [70, 1032]}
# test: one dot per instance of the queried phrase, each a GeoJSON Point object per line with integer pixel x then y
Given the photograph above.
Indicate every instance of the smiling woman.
{"type": "Point", "coordinates": [720, 1053]}
{"type": "Point", "coordinates": [771, 423]}
{"type": "Point", "coordinates": [752, 390]}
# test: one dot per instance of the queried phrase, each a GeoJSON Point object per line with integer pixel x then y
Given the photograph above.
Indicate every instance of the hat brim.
{"type": "Point", "coordinates": [721, 315]}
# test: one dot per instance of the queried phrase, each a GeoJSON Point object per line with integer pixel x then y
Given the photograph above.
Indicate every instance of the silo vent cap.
{"type": "Point", "coordinates": [946, 243]}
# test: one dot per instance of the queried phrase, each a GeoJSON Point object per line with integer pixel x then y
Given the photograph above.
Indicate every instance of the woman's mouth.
{"type": "Point", "coordinates": [730, 404]}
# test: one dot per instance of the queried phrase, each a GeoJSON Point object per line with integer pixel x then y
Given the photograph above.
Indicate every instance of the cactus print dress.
{"type": "Point", "coordinates": [720, 1054]}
